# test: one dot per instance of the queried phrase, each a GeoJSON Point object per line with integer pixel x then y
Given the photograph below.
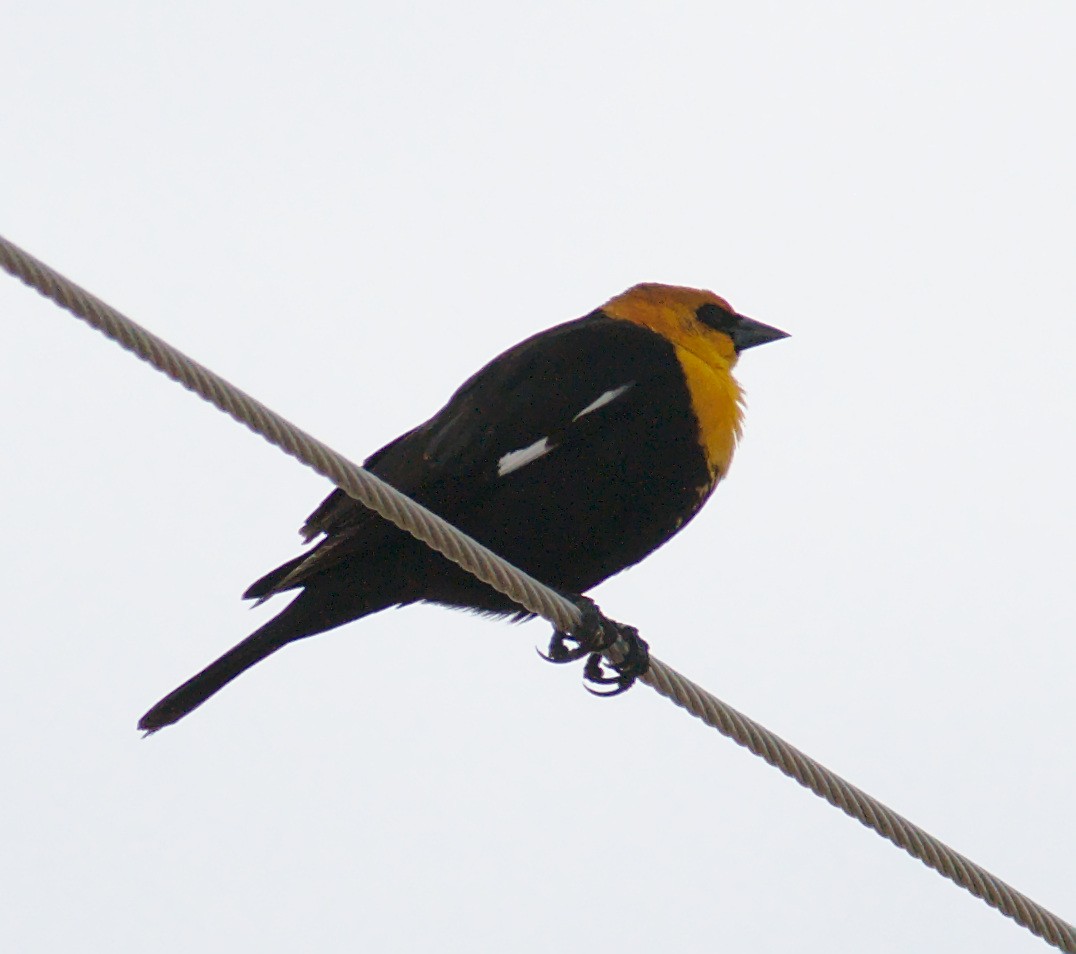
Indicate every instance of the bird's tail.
{"type": "Point", "coordinates": [212, 679]}
{"type": "Point", "coordinates": [309, 613]}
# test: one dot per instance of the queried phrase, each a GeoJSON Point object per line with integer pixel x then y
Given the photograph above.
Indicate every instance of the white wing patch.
{"type": "Point", "coordinates": [607, 398]}
{"type": "Point", "coordinates": [513, 460]}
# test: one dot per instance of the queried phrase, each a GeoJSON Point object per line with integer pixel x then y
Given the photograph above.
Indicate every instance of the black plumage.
{"type": "Point", "coordinates": [574, 454]}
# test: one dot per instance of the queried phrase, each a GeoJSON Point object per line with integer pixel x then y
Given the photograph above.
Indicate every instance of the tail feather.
{"type": "Point", "coordinates": [268, 585]}
{"type": "Point", "coordinates": [312, 611]}
{"type": "Point", "coordinates": [410, 572]}
{"type": "Point", "coordinates": [196, 690]}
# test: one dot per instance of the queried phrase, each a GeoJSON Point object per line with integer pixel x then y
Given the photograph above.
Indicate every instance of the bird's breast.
{"type": "Point", "coordinates": [716, 402]}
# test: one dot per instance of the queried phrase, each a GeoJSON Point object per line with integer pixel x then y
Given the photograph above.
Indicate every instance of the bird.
{"type": "Point", "coordinates": [573, 455]}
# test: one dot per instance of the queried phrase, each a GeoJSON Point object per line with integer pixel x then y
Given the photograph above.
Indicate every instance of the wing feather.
{"type": "Point", "coordinates": [545, 388]}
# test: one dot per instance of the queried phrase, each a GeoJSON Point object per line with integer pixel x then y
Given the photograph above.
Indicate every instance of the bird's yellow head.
{"type": "Point", "coordinates": [692, 318]}
{"type": "Point", "coordinates": [707, 337]}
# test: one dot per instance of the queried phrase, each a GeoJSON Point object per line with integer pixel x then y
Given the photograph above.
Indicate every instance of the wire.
{"type": "Point", "coordinates": [530, 593]}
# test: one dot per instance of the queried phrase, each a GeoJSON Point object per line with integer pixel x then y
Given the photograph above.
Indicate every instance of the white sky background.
{"type": "Point", "coordinates": [346, 212]}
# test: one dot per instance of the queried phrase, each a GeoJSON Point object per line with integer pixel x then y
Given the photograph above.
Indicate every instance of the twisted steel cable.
{"type": "Point", "coordinates": [533, 595]}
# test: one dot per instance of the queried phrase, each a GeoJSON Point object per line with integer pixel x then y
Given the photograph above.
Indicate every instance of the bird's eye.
{"type": "Point", "coordinates": [718, 318]}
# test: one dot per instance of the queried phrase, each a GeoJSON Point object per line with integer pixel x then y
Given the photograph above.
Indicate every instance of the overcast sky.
{"type": "Point", "coordinates": [346, 211]}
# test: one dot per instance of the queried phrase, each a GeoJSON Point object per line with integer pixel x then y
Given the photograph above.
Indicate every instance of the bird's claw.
{"type": "Point", "coordinates": [590, 636]}
{"type": "Point", "coordinates": [595, 634]}
{"type": "Point", "coordinates": [634, 663]}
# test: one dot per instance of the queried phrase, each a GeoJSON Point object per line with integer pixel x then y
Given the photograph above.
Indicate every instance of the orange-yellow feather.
{"type": "Point", "coordinates": [706, 356]}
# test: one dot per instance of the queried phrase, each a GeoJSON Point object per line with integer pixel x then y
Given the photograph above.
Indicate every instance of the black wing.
{"type": "Point", "coordinates": [532, 391]}
{"type": "Point", "coordinates": [550, 419]}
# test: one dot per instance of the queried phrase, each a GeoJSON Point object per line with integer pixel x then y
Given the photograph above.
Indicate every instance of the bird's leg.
{"type": "Point", "coordinates": [633, 662]}
{"type": "Point", "coordinates": [595, 635]}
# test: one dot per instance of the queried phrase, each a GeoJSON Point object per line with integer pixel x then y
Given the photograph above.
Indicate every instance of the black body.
{"type": "Point", "coordinates": [616, 483]}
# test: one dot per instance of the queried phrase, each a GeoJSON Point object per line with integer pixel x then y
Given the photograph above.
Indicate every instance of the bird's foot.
{"type": "Point", "coordinates": [590, 636]}
{"type": "Point", "coordinates": [596, 636]}
{"type": "Point", "coordinates": [633, 662]}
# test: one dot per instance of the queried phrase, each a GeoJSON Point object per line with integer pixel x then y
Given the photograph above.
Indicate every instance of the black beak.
{"type": "Point", "coordinates": [749, 333]}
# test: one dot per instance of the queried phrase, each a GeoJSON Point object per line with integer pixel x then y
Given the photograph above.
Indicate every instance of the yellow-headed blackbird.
{"type": "Point", "coordinates": [573, 455]}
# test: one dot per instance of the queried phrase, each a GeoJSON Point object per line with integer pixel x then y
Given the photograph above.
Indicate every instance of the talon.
{"type": "Point", "coordinates": [592, 638]}
{"type": "Point", "coordinates": [594, 673]}
{"type": "Point", "coordinates": [559, 651]}
{"type": "Point", "coordinates": [623, 686]}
